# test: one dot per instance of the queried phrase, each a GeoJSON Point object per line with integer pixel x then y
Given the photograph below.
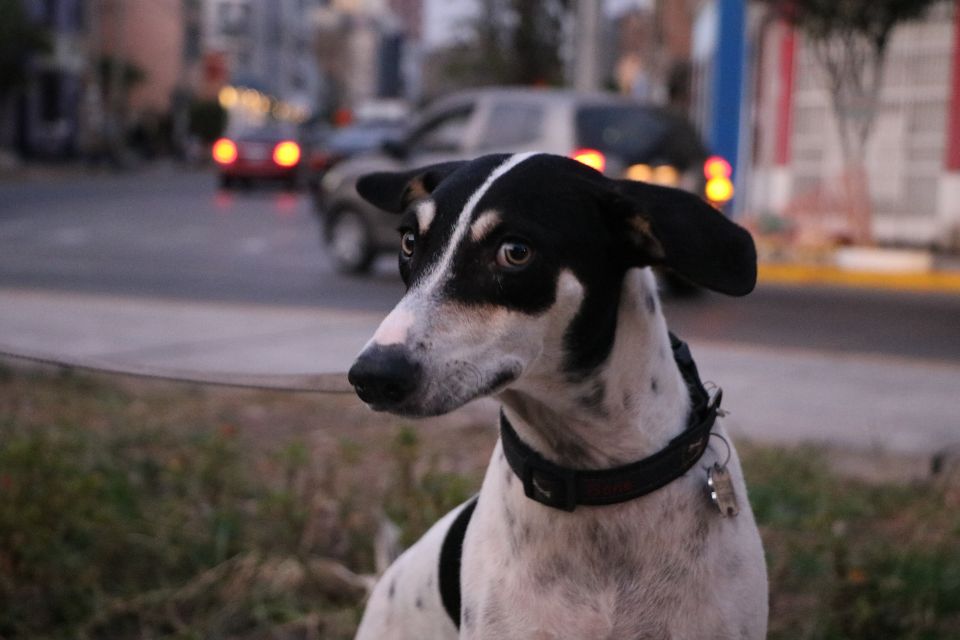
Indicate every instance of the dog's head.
{"type": "Point", "coordinates": [514, 266]}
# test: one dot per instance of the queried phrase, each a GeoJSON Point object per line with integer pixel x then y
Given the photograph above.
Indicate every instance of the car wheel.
{"type": "Point", "coordinates": [349, 242]}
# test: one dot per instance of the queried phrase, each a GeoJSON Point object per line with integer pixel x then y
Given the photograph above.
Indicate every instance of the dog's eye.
{"type": "Point", "coordinates": [408, 242]}
{"type": "Point", "coordinates": [512, 255]}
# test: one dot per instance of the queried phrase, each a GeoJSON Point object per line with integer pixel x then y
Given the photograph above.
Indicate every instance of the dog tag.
{"type": "Point", "coordinates": [722, 493]}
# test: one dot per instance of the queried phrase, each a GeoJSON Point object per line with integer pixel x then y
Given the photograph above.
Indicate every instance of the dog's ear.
{"type": "Point", "coordinates": [393, 191]}
{"type": "Point", "coordinates": [677, 229]}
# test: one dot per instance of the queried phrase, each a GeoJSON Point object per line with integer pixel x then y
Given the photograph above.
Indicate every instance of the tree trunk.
{"type": "Point", "coordinates": [854, 66]}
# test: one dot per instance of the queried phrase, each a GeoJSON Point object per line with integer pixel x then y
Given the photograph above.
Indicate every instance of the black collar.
{"type": "Point", "coordinates": [562, 488]}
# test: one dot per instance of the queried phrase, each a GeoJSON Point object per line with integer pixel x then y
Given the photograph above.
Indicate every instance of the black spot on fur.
{"type": "Point", "coordinates": [419, 603]}
{"type": "Point", "coordinates": [697, 539]}
{"type": "Point", "coordinates": [493, 619]}
{"type": "Point", "coordinates": [733, 564]}
{"type": "Point", "coordinates": [593, 400]}
{"type": "Point", "coordinates": [393, 588]}
{"type": "Point", "coordinates": [651, 303]}
{"type": "Point", "coordinates": [513, 531]}
{"type": "Point", "coordinates": [466, 616]}
{"type": "Point", "coordinates": [654, 386]}
{"type": "Point", "coordinates": [550, 571]}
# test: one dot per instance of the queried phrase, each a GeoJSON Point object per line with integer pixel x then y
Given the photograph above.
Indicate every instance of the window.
{"type": "Point", "coordinates": [512, 125]}
{"type": "Point", "coordinates": [50, 96]}
{"type": "Point", "coordinates": [233, 18]}
{"type": "Point", "coordinates": [445, 133]}
{"type": "Point", "coordinates": [640, 134]}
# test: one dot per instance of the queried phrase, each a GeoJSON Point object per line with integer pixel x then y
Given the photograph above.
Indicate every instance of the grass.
{"type": "Point", "coordinates": [149, 510]}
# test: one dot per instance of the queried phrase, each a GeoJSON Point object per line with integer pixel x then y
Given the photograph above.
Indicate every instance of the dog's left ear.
{"type": "Point", "coordinates": [677, 229]}
{"type": "Point", "coordinates": [393, 191]}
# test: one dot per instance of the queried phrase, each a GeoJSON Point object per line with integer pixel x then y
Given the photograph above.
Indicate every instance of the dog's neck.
{"type": "Point", "coordinates": [629, 408]}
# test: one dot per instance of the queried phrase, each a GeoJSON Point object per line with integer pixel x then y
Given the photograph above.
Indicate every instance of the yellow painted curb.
{"type": "Point", "coordinates": [936, 281]}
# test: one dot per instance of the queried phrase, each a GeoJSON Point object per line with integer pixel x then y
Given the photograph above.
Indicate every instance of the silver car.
{"type": "Point", "coordinates": [614, 135]}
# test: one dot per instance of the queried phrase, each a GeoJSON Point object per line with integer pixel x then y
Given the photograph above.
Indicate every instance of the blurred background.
{"type": "Point", "coordinates": [177, 197]}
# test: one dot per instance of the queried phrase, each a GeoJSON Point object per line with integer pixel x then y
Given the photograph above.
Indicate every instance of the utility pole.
{"type": "Point", "coordinates": [117, 125]}
{"type": "Point", "coordinates": [586, 63]}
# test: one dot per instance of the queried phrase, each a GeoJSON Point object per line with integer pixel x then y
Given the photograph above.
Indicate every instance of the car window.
{"type": "Point", "coordinates": [639, 134]}
{"type": "Point", "coordinates": [362, 136]}
{"type": "Point", "coordinates": [511, 125]}
{"type": "Point", "coordinates": [445, 133]}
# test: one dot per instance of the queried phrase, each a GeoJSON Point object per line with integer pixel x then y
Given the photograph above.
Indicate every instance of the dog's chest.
{"type": "Point", "coordinates": [612, 572]}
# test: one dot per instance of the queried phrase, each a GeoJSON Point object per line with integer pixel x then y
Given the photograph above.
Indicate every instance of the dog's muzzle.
{"type": "Point", "coordinates": [385, 377]}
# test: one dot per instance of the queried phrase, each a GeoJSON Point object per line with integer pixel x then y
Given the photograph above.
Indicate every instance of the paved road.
{"type": "Point", "coordinates": [161, 270]}
{"type": "Point", "coordinates": [170, 233]}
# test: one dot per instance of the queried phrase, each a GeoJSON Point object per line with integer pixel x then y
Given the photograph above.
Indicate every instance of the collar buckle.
{"type": "Point", "coordinates": [555, 488]}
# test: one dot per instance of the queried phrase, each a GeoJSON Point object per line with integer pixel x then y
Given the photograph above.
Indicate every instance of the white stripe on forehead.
{"type": "Point", "coordinates": [441, 266]}
{"type": "Point", "coordinates": [425, 212]}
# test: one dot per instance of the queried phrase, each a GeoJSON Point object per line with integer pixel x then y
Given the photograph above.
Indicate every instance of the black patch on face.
{"type": "Point", "coordinates": [557, 207]}
{"type": "Point", "coordinates": [449, 198]}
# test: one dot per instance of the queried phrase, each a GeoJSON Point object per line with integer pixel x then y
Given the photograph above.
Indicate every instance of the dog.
{"type": "Point", "coordinates": [529, 279]}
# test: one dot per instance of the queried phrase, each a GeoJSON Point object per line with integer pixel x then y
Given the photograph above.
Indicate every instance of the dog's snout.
{"type": "Point", "coordinates": [384, 377]}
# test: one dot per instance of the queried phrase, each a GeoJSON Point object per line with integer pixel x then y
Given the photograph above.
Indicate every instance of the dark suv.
{"type": "Point", "coordinates": [616, 136]}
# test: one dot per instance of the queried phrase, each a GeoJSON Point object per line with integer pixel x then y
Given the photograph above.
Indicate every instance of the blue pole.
{"type": "Point", "coordinates": [728, 73]}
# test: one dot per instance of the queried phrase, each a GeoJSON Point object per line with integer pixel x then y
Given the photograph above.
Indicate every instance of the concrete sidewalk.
{"type": "Point", "coordinates": [861, 401]}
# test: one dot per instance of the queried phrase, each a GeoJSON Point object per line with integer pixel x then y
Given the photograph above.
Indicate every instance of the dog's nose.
{"type": "Point", "coordinates": [384, 376]}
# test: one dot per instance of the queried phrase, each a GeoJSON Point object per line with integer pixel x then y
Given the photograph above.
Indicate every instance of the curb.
{"type": "Point", "coordinates": [798, 274]}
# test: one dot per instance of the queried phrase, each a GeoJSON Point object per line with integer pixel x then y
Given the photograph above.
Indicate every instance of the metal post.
{"type": "Point", "coordinates": [586, 76]}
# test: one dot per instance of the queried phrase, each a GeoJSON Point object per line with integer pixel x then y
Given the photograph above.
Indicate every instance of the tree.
{"type": "Point", "coordinates": [208, 120]}
{"type": "Point", "coordinates": [511, 42]}
{"type": "Point", "coordinates": [19, 39]}
{"type": "Point", "coordinates": [849, 39]}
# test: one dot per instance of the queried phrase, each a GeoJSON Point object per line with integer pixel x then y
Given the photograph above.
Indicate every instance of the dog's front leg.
{"type": "Point", "coordinates": [406, 604]}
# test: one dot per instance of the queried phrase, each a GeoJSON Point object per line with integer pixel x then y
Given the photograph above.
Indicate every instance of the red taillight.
{"type": "Point", "coordinates": [224, 151]}
{"type": "Point", "coordinates": [716, 167]}
{"type": "Point", "coordinates": [591, 158]}
{"type": "Point", "coordinates": [286, 153]}
{"type": "Point", "coordinates": [719, 188]}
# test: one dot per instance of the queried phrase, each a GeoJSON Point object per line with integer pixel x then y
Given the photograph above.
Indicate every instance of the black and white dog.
{"type": "Point", "coordinates": [527, 279]}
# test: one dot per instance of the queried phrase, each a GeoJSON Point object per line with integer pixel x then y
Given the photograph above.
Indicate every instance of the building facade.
{"type": "Point", "coordinates": [47, 112]}
{"type": "Point", "coordinates": [265, 45]}
{"type": "Point", "coordinates": [913, 155]}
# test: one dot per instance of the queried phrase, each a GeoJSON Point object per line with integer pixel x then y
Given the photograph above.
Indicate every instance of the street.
{"type": "Point", "coordinates": [159, 269]}
{"type": "Point", "coordinates": [169, 233]}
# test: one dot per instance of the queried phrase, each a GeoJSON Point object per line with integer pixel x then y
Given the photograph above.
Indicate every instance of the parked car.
{"type": "Point", "coordinates": [269, 152]}
{"type": "Point", "coordinates": [614, 135]}
{"type": "Point", "coordinates": [343, 143]}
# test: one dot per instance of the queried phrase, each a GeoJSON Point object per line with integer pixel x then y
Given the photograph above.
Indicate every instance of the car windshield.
{"type": "Point", "coordinates": [267, 133]}
{"type": "Point", "coordinates": [639, 134]}
{"type": "Point", "coordinates": [361, 137]}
